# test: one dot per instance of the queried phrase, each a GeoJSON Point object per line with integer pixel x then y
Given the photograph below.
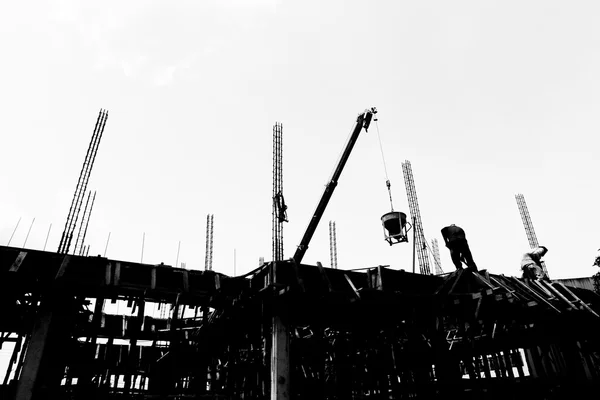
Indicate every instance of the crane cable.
{"type": "Point", "coordinates": [387, 182]}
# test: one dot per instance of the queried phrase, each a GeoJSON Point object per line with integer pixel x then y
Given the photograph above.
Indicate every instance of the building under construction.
{"type": "Point", "coordinates": [289, 331]}
{"type": "Point", "coordinates": [82, 327]}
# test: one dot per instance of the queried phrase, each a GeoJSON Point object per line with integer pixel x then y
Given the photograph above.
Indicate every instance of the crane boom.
{"type": "Point", "coordinates": [362, 121]}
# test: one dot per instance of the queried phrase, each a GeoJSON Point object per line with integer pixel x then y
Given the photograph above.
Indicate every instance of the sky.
{"type": "Point", "coordinates": [486, 99]}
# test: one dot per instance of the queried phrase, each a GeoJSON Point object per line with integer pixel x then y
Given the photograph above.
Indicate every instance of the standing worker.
{"type": "Point", "coordinates": [531, 263]}
{"type": "Point", "coordinates": [456, 242]}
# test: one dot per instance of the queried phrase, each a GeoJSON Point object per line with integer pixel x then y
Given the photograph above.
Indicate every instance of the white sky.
{"type": "Point", "coordinates": [485, 98]}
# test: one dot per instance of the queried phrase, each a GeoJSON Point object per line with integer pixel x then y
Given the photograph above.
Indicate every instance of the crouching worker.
{"type": "Point", "coordinates": [531, 263]}
{"type": "Point", "coordinates": [456, 242]}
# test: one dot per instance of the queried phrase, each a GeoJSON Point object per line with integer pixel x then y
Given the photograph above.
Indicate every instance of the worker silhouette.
{"type": "Point", "coordinates": [531, 263]}
{"type": "Point", "coordinates": [456, 242]}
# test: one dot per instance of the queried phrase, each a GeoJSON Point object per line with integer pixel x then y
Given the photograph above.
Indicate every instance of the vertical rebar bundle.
{"type": "Point", "coordinates": [333, 244]}
{"type": "Point", "coordinates": [81, 188]}
{"type": "Point", "coordinates": [413, 204]}
{"type": "Point", "coordinates": [528, 225]}
{"type": "Point", "coordinates": [13, 234]}
{"type": "Point", "coordinates": [87, 213]}
{"type": "Point", "coordinates": [279, 207]}
{"type": "Point", "coordinates": [435, 249]}
{"type": "Point", "coordinates": [28, 232]}
{"type": "Point", "coordinates": [47, 236]}
{"type": "Point", "coordinates": [209, 242]}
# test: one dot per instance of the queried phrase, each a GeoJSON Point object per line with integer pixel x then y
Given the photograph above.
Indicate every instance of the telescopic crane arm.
{"type": "Point", "coordinates": [363, 121]}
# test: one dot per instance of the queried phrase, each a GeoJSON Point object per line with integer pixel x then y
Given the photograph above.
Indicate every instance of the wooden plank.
{"type": "Point", "coordinates": [482, 280]}
{"type": "Point", "coordinates": [508, 363]}
{"type": "Point", "coordinates": [130, 365]}
{"type": "Point", "coordinates": [299, 281]}
{"type": "Point", "coordinates": [450, 280]}
{"type": "Point", "coordinates": [588, 365]}
{"type": "Point", "coordinates": [63, 266]}
{"type": "Point", "coordinates": [324, 277]}
{"type": "Point", "coordinates": [108, 274]}
{"type": "Point", "coordinates": [13, 358]}
{"type": "Point", "coordinates": [117, 274]}
{"type": "Point", "coordinates": [486, 366]}
{"type": "Point", "coordinates": [556, 360]}
{"type": "Point", "coordinates": [583, 304]}
{"type": "Point", "coordinates": [485, 274]}
{"type": "Point", "coordinates": [352, 286]}
{"type": "Point", "coordinates": [186, 281]}
{"type": "Point", "coordinates": [501, 371]}
{"type": "Point", "coordinates": [18, 261]}
{"type": "Point", "coordinates": [540, 285]}
{"type": "Point", "coordinates": [532, 363]}
{"type": "Point", "coordinates": [153, 278]}
{"type": "Point", "coordinates": [535, 295]}
{"type": "Point", "coordinates": [379, 285]}
{"type": "Point", "coordinates": [559, 295]}
{"type": "Point", "coordinates": [476, 366]}
{"type": "Point", "coordinates": [516, 354]}
{"type": "Point", "coordinates": [503, 286]}
{"type": "Point", "coordinates": [478, 307]}
{"type": "Point", "coordinates": [459, 274]}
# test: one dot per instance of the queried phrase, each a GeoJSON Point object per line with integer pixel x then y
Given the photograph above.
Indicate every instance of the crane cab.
{"type": "Point", "coordinates": [395, 227]}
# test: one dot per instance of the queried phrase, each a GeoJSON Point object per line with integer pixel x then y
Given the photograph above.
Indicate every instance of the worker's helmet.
{"type": "Point", "coordinates": [544, 248]}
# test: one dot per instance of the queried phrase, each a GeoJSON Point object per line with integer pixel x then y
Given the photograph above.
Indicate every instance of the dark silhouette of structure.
{"type": "Point", "coordinates": [288, 331]}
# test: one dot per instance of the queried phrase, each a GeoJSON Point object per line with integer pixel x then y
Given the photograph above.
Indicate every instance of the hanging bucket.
{"type": "Point", "coordinates": [394, 227]}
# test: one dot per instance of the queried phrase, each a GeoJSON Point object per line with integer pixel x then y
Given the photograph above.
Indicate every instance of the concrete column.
{"type": "Point", "coordinates": [33, 357]}
{"type": "Point", "coordinates": [280, 361]}
{"type": "Point", "coordinates": [45, 360]}
{"type": "Point", "coordinates": [280, 342]}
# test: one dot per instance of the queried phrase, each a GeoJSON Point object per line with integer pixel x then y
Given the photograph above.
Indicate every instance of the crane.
{"type": "Point", "coordinates": [362, 121]}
